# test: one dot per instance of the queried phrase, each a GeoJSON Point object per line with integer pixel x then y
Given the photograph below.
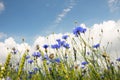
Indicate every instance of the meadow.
{"type": "Point", "coordinates": [78, 59]}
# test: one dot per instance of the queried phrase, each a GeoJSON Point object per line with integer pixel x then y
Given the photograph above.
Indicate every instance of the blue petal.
{"type": "Point", "coordinates": [64, 36]}
{"type": "Point", "coordinates": [96, 46]}
{"type": "Point", "coordinates": [84, 63]}
{"type": "Point", "coordinates": [57, 60]}
{"type": "Point", "coordinates": [45, 46]}
{"type": "Point", "coordinates": [118, 59]}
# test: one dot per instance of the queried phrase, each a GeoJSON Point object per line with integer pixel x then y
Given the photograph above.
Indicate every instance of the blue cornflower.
{"type": "Point", "coordinates": [82, 66]}
{"type": "Point", "coordinates": [60, 43]}
{"type": "Point", "coordinates": [108, 67]}
{"type": "Point", "coordinates": [27, 57]}
{"type": "Point", "coordinates": [118, 59]}
{"type": "Point", "coordinates": [66, 45]}
{"type": "Point", "coordinates": [45, 46]}
{"type": "Point", "coordinates": [84, 63]}
{"type": "Point", "coordinates": [88, 53]}
{"type": "Point", "coordinates": [55, 46]}
{"type": "Point", "coordinates": [65, 37]}
{"type": "Point", "coordinates": [30, 61]}
{"type": "Point", "coordinates": [50, 69]}
{"type": "Point", "coordinates": [57, 60]}
{"type": "Point", "coordinates": [35, 69]}
{"type": "Point", "coordinates": [96, 46]}
{"type": "Point", "coordinates": [30, 72]}
{"type": "Point", "coordinates": [46, 57]}
{"type": "Point", "coordinates": [36, 54]}
{"type": "Point", "coordinates": [79, 30]}
{"type": "Point", "coordinates": [58, 40]}
{"type": "Point", "coordinates": [66, 57]}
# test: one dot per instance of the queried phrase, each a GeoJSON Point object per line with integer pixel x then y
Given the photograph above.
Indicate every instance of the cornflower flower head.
{"type": "Point", "coordinates": [84, 63]}
{"type": "Point", "coordinates": [35, 69]}
{"type": "Point", "coordinates": [82, 66]}
{"type": "Point", "coordinates": [50, 69]}
{"type": "Point", "coordinates": [61, 43]}
{"type": "Point", "coordinates": [30, 61]}
{"type": "Point", "coordinates": [46, 57]}
{"type": "Point", "coordinates": [36, 54]}
{"type": "Point", "coordinates": [57, 60]}
{"type": "Point", "coordinates": [58, 40]}
{"type": "Point", "coordinates": [30, 74]}
{"type": "Point", "coordinates": [55, 46]}
{"type": "Point", "coordinates": [66, 45]}
{"type": "Point", "coordinates": [96, 45]}
{"type": "Point", "coordinates": [118, 59]}
{"type": "Point", "coordinates": [79, 30]}
{"type": "Point", "coordinates": [65, 37]}
{"type": "Point", "coordinates": [88, 53]}
{"type": "Point", "coordinates": [45, 46]}
{"type": "Point", "coordinates": [27, 57]}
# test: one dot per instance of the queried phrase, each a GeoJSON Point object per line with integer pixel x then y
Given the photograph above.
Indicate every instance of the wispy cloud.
{"type": "Point", "coordinates": [65, 12]}
{"type": "Point", "coordinates": [60, 17]}
{"type": "Point", "coordinates": [114, 5]}
{"type": "Point", "coordinates": [2, 6]}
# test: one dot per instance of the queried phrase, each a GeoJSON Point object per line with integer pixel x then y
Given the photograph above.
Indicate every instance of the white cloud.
{"type": "Point", "coordinates": [110, 34]}
{"type": "Point", "coordinates": [8, 44]}
{"type": "Point", "coordinates": [3, 52]}
{"type": "Point", "coordinates": [65, 12]}
{"type": "Point", "coordinates": [2, 7]}
{"type": "Point", "coordinates": [114, 5]}
{"type": "Point", "coordinates": [2, 35]}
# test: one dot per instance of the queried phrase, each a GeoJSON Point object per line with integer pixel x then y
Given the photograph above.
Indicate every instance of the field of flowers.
{"type": "Point", "coordinates": [79, 60]}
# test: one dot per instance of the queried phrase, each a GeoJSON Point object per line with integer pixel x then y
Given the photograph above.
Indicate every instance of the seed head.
{"type": "Point", "coordinates": [102, 30]}
{"type": "Point", "coordinates": [51, 56]}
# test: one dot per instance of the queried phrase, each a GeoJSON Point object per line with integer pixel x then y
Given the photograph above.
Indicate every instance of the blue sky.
{"type": "Point", "coordinates": [31, 18]}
